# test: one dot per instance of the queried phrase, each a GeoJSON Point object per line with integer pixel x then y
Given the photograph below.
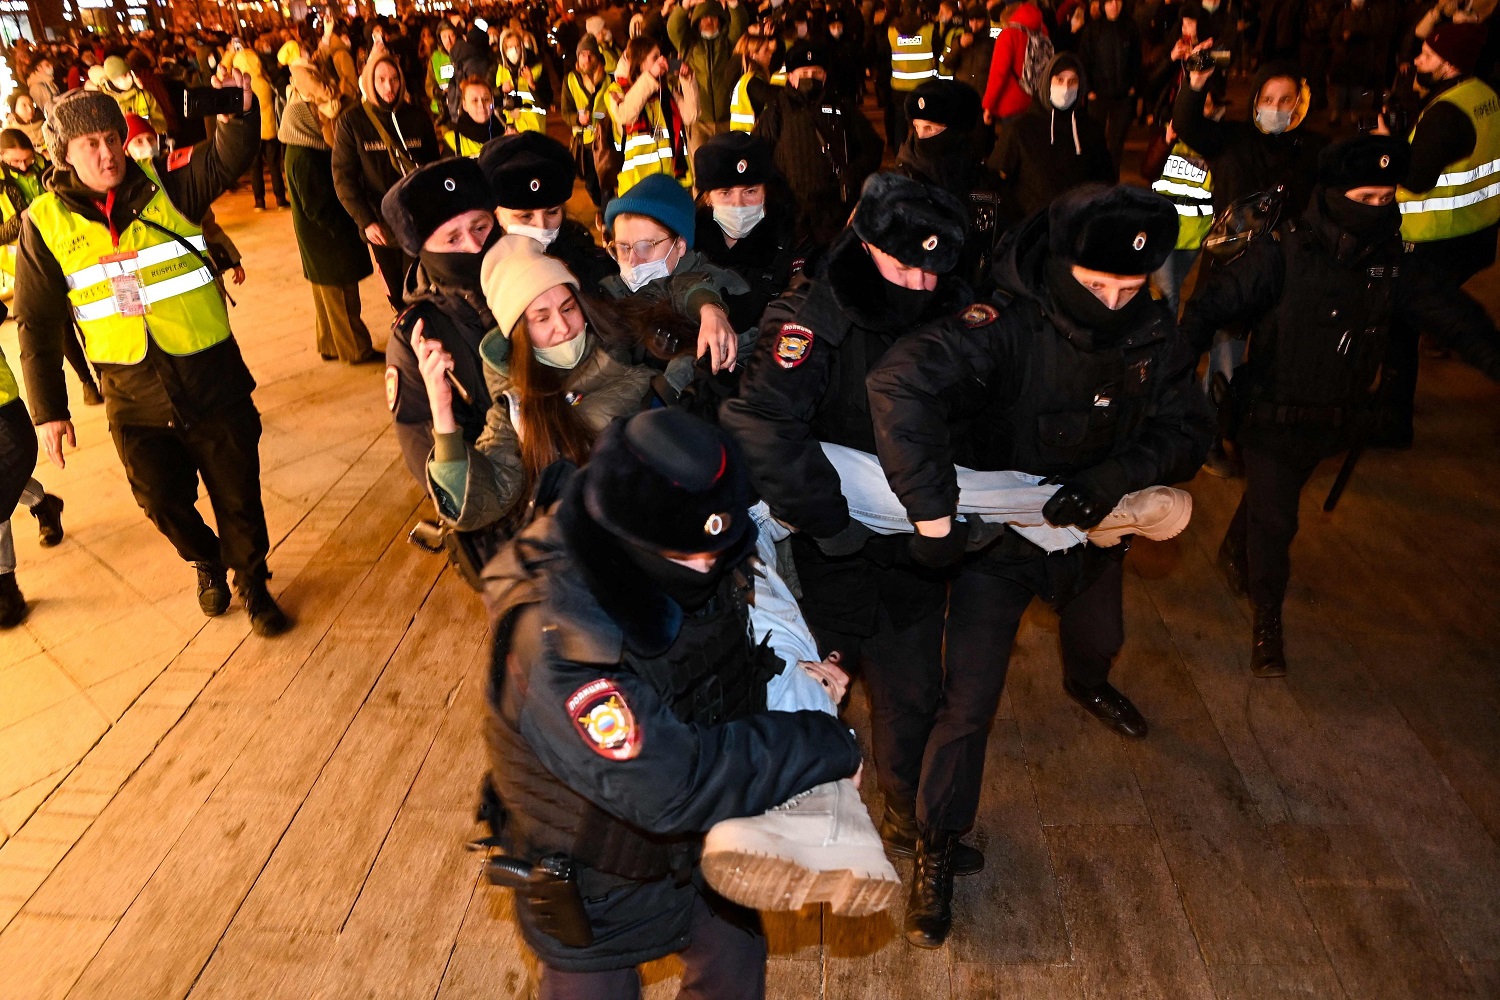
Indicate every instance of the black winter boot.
{"type": "Point", "coordinates": [1267, 655]}
{"type": "Point", "coordinates": [13, 606]}
{"type": "Point", "coordinates": [213, 589]}
{"type": "Point", "coordinates": [266, 617]}
{"type": "Point", "coordinates": [929, 908]}
{"type": "Point", "coordinates": [48, 516]}
{"type": "Point", "coordinates": [898, 831]}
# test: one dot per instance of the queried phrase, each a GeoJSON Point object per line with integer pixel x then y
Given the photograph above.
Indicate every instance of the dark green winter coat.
{"type": "Point", "coordinates": [333, 251]}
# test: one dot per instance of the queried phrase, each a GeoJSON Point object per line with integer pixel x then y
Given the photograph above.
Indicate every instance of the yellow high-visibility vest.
{"type": "Point", "coordinates": [442, 73]}
{"type": "Point", "coordinates": [184, 310]}
{"type": "Point", "coordinates": [1189, 185]}
{"type": "Point", "coordinates": [582, 102]}
{"type": "Point", "coordinates": [9, 391]}
{"type": "Point", "coordinates": [647, 146]}
{"type": "Point", "coordinates": [461, 144]}
{"type": "Point", "coordinates": [1467, 196]}
{"type": "Point", "coordinates": [913, 58]}
{"type": "Point", "coordinates": [741, 111]}
{"type": "Point", "coordinates": [529, 117]}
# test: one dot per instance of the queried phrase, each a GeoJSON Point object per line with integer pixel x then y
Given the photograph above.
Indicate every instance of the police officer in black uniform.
{"type": "Point", "coordinates": [1070, 371]}
{"type": "Point", "coordinates": [628, 714]}
{"type": "Point", "coordinates": [1321, 297]}
{"type": "Point", "coordinates": [443, 298]}
{"type": "Point", "coordinates": [863, 594]}
{"type": "Point", "coordinates": [746, 222]}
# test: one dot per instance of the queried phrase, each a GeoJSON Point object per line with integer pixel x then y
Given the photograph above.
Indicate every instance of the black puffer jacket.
{"type": "Point", "coordinates": [1321, 303]}
{"type": "Point", "coordinates": [162, 388]}
{"type": "Point", "coordinates": [1055, 399]}
{"type": "Point", "coordinates": [458, 318]}
{"type": "Point", "coordinates": [1245, 160]}
{"type": "Point", "coordinates": [805, 382]}
{"type": "Point", "coordinates": [1111, 52]}
{"type": "Point", "coordinates": [364, 169]}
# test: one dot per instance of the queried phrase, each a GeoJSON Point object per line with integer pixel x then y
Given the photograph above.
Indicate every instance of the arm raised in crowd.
{"type": "Point", "coordinates": [215, 164]}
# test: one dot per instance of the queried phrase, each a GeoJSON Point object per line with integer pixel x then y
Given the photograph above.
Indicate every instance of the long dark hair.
{"type": "Point", "coordinates": [549, 427]}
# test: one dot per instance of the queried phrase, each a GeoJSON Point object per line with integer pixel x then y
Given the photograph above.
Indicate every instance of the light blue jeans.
{"type": "Point", "coordinates": [1013, 498]}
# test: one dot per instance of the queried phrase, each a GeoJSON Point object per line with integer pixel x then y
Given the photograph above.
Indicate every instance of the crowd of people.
{"type": "Point", "coordinates": [722, 395]}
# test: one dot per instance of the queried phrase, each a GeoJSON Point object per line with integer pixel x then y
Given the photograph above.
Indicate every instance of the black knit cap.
{"type": "Point", "coordinates": [1364, 161]}
{"type": "Point", "coordinates": [666, 480]}
{"type": "Point", "coordinates": [429, 196]}
{"type": "Point", "coordinates": [528, 170]}
{"type": "Point", "coordinates": [918, 224]}
{"type": "Point", "coordinates": [804, 54]}
{"type": "Point", "coordinates": [1118, 230]}
{"type": "Point", "coordinates": [946, 102]}
{"type": "Point", "coordinates": [732, 159]}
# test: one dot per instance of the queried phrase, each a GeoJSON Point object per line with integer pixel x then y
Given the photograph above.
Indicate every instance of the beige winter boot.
{"type": "Point", "coordinates": [1157, 513]}
{"type": "Point", "coordinates": [818, 847]}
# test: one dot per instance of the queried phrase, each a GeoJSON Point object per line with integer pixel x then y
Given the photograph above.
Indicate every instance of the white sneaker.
{"type": "Point", "coordinates": [1157, 513]}
{"type": "Point", "coordinates": [818, 847]}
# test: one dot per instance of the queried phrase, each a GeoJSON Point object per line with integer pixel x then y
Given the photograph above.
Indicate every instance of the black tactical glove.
{"type": "Point", "coordinates": [1076, 506]}
{"type": "Point", "coordinates": [940, 553]}
{"type": "Point", "coordinates": [847, 542]}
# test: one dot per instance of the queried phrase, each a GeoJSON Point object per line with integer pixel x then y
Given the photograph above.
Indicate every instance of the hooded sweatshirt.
{"type": "Point", "coordinates": [1048, 150]}
{"type": "Point", "coordinates": [376, 143]}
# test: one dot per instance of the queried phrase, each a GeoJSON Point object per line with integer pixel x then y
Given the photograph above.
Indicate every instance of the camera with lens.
{"type": "Point", "coordinates": [1207, 59]}
{"type": "Point", "coordinates": [1398, 117]}
{"type": "Point", "coordinates": [510, 102]}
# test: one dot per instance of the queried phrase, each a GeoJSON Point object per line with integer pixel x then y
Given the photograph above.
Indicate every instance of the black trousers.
{"type": "Point", "coordinates": [1456, 260]}
{"type": "Point", "coordinates": [935, 685]}
{"type": "Point", "coordinates": [725, 960]}
{"type": "Point", "coordinates": [17, 455]}
{"type": "Point", "coordinates": [268, 160]}
{"type": "Point", "coordinates": [1265, 522]}
{"type": "Point", "coordinates": [163, 465]}
{"type": "Point", "coordinates": [393, 265]}
{"type": "Point", "coordinates": [1115, 114]}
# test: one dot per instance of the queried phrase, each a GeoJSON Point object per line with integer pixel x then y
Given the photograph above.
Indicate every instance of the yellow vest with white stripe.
{"type": "Point", "coordinates": [1467, 196]}
{"type": "Point", "coordinates": [9, 391]}
{"type": "Point", "coordinates": [30, 184]}
{"type": "Point", "coordinates": [442, 73]}
{"type": "Point", "coordinates": [741, 111]}
{"type": "Point", "coordinates": [913, 58]}
{"type": "Point", "coordinates": [647, 151]}
{"type": "Point", "coordinates": [184, 310]}
{"type": "Point", "coordinates": [461, 144]}
{"type": "Point", "coordinates": [1187, 183]}
{"type": "Point", "coordinates": [529, 117]}
{"type": "Point", "coordinates": [582, 102]}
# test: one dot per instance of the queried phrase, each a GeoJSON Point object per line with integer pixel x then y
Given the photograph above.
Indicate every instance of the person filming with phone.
{"type": "Point", "coordinates": [117, 246]}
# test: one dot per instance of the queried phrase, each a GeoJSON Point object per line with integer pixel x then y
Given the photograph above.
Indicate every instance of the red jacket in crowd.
{"type": "Point", "coordinates": [1003, 96]}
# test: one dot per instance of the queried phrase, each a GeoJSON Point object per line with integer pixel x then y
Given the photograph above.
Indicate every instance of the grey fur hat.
{"type": "Point", "coordinates": [79, 112]}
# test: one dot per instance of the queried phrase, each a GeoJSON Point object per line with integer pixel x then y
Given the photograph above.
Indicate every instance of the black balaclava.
{"type": "Point", "coordinates": [1083, 306]}
{"type": "Point", "coordinates": [457, 270]}
{"type": "Point", "coordinates": [1364, 222]}
{"type": "Point", "coordinates": [685, 585]}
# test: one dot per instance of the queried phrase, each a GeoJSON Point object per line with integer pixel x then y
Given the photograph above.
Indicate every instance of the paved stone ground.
{"type": "Point", "coordinates": [186, 810]}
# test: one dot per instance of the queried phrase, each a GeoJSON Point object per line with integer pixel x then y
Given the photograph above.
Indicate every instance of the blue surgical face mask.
{"type": "Point", "coordinates": [738, 220]}
{"type": "Point", "coordinates": [1272, 122]}
{"type": "Point", "coordinates": [637, 277]}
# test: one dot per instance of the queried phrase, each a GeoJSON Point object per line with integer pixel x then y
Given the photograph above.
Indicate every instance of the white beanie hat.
{"type": "Point", "coordinates": [514, 272]}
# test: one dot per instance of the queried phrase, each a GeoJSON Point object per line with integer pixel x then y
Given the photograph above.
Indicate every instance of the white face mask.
{"type": "Point", "coordinates": [738, 220]}
{"type": "Point", "coordinates": [835, 31]}
{"type": "Point", "coordinates": [123, 82]}
{"type": "Point", "coordinates": [1063, 97]}
{"type": "Point", "coordinates": [564, 355]}
{"type": "Point", "coordinates": [542, 236]}
{"type": "Point", "coordinates": [708, 36]}
{"type": "Point", "coordinates": [635, 278]}
{"type": "Point", "coordinates": [1272, 122]}
{"type": "Point", "coordinates": [514, 55]}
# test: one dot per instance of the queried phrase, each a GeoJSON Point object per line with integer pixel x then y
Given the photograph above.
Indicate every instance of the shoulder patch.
{"type": "Point", "coordinates": [793, 345]}
{"type": "Point", "coordinates": [180, 158]}
{"type": "Point", "coordinates": [979, 314]}
{"type": "Point", "coordinates": [392, 387]}
{"type": "Point", "coordinates": [604, 720]}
